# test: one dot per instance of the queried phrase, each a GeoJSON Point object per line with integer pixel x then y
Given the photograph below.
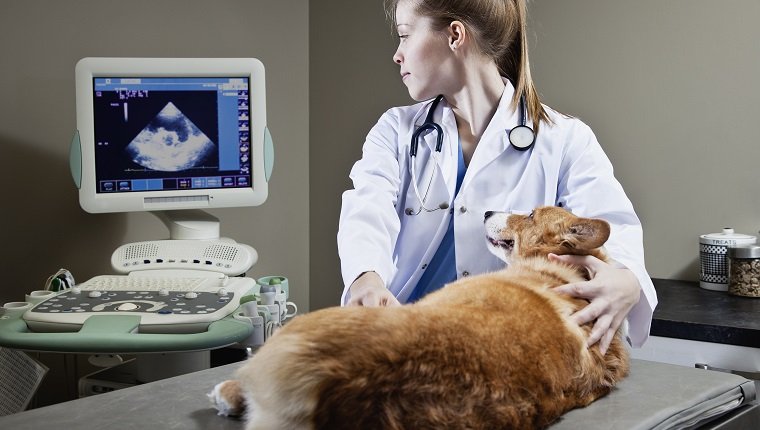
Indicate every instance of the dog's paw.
{"type": "Point", "coordinates": [227, 397]}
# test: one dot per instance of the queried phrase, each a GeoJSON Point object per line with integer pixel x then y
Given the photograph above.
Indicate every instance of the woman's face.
{"type": "Point", "coordinates": [426, 61]}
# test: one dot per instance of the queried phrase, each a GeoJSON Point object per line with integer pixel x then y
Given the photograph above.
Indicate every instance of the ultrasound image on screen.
{"type": "Point", "coordinates": [171, 133]}
{"type": "Point", "coordinates": [142, 137]}
{"type": "Point", "coordinates": [171, 143]}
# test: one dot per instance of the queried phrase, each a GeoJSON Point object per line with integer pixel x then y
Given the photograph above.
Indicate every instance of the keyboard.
{"type": "Point", "coordinates": [145, 283]}
{"type": "Point", "coordinates": [164, 304]}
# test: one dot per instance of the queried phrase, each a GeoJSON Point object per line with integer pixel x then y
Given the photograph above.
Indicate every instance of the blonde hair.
{"type": "Point", "coordinates": [499, 29]}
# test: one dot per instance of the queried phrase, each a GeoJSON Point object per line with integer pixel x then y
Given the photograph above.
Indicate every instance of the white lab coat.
{"type": "Point", "coordinates": [565, 166]}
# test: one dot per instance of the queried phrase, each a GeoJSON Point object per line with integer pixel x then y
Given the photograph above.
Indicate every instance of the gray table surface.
{"type": "Point", "coordinates": [645, 398]}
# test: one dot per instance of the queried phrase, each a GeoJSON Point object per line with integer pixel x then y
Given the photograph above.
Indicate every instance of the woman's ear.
{"type": "Point", "coordinates": [457, 34]}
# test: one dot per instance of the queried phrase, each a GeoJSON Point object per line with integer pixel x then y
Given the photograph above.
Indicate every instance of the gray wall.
{"type": "Point", "coordinates": [43, 227]}
{"type": "Point", "coordinates": [352, 81]}
{"type": "Point", "coordinates": [669, 87]}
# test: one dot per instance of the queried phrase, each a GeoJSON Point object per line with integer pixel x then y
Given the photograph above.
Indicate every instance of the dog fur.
{"type": "Point", "coordinates": [493, 351]}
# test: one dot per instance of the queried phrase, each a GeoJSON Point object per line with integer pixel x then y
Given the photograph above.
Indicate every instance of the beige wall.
{"type": "Point", "coordinates": [670, 88]}
{"type": "Point", "coordinates": [43, 227]}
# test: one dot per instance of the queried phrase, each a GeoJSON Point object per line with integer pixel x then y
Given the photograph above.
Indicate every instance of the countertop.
{"type": "Point", "coordinates": [686, 311]}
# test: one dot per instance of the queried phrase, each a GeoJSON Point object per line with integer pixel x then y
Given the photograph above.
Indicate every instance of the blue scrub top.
{"type": "Point", "coordinates": [442, 268]}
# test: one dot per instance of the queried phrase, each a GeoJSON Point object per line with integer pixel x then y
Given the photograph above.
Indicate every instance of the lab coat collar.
{"type": "Point", "coordinates": [443, 116]}
{"type": "Point", "coordinates": [495, 139]}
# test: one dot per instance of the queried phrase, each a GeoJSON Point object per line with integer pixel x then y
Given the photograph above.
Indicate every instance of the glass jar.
{"type": "Point", "coordinates": [713, 264]}
{"type": "Point", "coordinates": [744, 270]}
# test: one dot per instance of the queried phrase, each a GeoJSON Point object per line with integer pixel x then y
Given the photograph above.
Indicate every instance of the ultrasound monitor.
{"type": "Point", "coordinates": [158, 134]}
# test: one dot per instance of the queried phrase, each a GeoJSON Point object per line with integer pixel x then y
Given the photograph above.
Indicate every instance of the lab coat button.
{"type": "Point", "coordinates": [462, 209]}
{"type": "Point", "coordinates": [465, 273]}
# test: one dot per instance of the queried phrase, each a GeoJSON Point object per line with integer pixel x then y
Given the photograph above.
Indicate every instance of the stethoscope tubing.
{"type": "Point", "coordinates": [428, 125]}
{"type": "Point", "coordinates": [521, 143]}
{"type": "Point", "coordinates": [521, 137]}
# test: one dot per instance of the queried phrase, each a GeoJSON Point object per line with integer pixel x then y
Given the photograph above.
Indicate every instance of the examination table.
{"type": "Point", "coordinates": [654, 396]}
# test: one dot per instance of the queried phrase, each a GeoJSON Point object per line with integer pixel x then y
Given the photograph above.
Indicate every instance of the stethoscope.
{"type": "Point", "coordinates": [521, 138]}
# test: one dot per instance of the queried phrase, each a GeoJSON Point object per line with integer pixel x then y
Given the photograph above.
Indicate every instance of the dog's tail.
{"type": "Point", "coordinates": [282, 392]}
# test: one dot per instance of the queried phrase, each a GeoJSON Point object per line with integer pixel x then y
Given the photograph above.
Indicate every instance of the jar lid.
{"type": "Point", "coordinates": [727, 233]}
{"type": "Point", "coordinates": [744, 251]}
{"type": "Point", "coordinates": [727, 238]}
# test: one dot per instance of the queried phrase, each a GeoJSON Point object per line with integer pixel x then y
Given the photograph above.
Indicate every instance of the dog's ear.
{"type": "Point", "coordinates": [586, 233]}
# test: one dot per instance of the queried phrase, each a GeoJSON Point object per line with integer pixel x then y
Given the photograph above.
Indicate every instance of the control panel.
{"type": "Point", "coordinates": [164, 305]}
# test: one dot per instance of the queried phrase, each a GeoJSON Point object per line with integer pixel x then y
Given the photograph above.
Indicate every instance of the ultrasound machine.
{"type": "Point", "coordinates": [173, 137]}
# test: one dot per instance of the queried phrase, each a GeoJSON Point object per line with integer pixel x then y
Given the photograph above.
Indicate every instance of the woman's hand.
{"type": "Point", "coordinates": [369, 290]}
{"type": "Point", "coordinates": [612, 292]}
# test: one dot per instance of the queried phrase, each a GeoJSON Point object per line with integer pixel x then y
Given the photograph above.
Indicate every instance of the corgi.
{"type": "Point", "coordinates": [493, 351]}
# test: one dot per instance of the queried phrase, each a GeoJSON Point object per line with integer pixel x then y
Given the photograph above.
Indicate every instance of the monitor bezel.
{"type": "Point", "coordinates": [89, 68]}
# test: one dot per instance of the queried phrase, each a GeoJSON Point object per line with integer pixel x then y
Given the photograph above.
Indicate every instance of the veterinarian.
{"type": "Point", "coordinates": [412, 224]}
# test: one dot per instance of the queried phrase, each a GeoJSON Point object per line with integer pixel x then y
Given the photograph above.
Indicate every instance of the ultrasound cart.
{"type": "Point", "coordinates": [174, 137]}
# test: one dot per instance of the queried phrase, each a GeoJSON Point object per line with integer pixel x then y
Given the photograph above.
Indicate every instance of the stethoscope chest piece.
{"type": "Point", "coordinates": [522, 137]}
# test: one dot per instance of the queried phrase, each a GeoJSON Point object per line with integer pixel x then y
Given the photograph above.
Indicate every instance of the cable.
{"type": "Point", "coordinates": [60, 280]}
{"type": "Point", "coordinates": [269, 329]}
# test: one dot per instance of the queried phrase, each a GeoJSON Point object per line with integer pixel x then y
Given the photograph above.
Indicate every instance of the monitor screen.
{"type": "Point", "coordinates": [159, 135]}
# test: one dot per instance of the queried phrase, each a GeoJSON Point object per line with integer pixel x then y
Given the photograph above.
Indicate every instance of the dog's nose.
{"type": "Point", "coordinates": [488, 215]}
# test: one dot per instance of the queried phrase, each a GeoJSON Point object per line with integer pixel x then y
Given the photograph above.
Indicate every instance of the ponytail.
{"type": "Point", "coordinates": [515, 65]}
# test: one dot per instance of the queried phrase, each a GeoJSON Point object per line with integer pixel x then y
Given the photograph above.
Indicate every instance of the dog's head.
{"type": "Point", "coordinates": [546, 230]}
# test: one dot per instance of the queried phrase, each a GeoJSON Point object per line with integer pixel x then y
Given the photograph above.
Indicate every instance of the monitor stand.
{"type": "Point", "coordinates": [190, 224]}
{"type": "Point", "coordinates": [187, 224]}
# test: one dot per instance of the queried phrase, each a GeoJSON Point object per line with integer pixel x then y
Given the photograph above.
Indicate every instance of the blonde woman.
{"type": "Point", "coordinates": [414, 223]}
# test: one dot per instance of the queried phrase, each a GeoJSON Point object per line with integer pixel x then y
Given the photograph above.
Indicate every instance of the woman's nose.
{"type": "Point", "coordinates": [397, 57]}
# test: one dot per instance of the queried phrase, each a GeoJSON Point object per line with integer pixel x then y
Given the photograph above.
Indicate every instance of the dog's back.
{"type": "Point", "coordinates": [486, 352]}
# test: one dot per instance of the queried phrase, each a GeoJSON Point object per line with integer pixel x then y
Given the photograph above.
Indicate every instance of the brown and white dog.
{"type": "Point", "coordinates": [493, 351]}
